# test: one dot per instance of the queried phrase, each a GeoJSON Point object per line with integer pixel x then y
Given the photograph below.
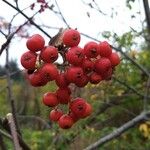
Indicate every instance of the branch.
{"type": "Point", "coordinates": [129, 87]}
{"type": "Point", "coordinates": [29, 19]}
{"type": "Point", "coordinates": [13, 131]}
{"type": "Point", "coordinates": [5, 134]}
{"type": "Point", "coordinates": [9, 38]}
{"type": "Point", "coordinates": [4, 124]}
{"type": "Point", "coordinates": [146, 95]}
{"type": "Point", "coordinates": [2, 144]}
{"type": "Point", "coordinates": [34, 119]}
{"type": "Point", "coordinates": [63, 18]}
{"type": "Point", "coordinates": [119, 131]}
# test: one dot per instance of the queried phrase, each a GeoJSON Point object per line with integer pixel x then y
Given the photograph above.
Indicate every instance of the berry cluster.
{"type": "Point", "coordinates": [93, 63]}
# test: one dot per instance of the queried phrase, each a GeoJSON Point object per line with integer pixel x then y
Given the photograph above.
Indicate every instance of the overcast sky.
{"type": "Point", "coordinates": [75, 12]}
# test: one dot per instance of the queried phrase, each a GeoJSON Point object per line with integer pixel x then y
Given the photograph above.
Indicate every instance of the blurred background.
{"type": "Point", "coordinates": [125, 25]}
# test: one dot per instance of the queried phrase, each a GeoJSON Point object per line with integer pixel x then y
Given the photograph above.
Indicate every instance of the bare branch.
{"type": "Point", "coordinates": [63, 18]}
{"type": "Point", "coordinates": [34, 119]}
{"type": "Point", "coordinates": [29, 19]}
{"type": "Point", "coordinates": [9, 38]}
{"type": "Point", "coordinates": [13, 131]}
{"type": "Point", "coordinates": [2, 143]}
{"type": "Point", "coordinates": [5, 134]}
{"type": "Point", "coordinates": [128, 86]}
{"type": "Point", "coordinates": [143, 116]}
{"type": "Point", "coordinates": [5, 125]}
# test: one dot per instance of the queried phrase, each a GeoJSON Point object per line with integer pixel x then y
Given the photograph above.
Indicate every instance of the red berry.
{"type": "Point", "coordinates": [74, 73]}
{"type": "Point", "coordinates": [55, 114]}
{"type": "Point", "coordinates": [65, 122]}
{"type": "Point", "coordinates": [28, 60]}
{"type": "Point", "coordinates": [102, 65]}
{"type": "Point", "coordinates": [36, 79]}
{"type": "Point", "coordinates": [49, 54]}
{"type": "Point", "coordinates": [104, 49]}
{"type": "Point", "coordinates": [87, 65]}
{"type": "Point", "coordinates": [95, 78]}
{"type": "Point", "coordinates": [83, 81]}
{"type": "Point", "coordinates": [78, 107]}
{"type": "Point", "coordinates": [107, 75]}
{"type": "Point", "coordinates": [41, 1]}
{"type": "Point", "coordinates": [114, 59]}
{"type": "Point", "coordinates": [88, 110]}
{"type": "Point", "coordinates": [61, 81]}
{"type": "Point", "coordinates": [63, 95]}
{"type": "Point", "coordinates": [71, 37]}
{"type": "Point", "coordinates": [74, 117]}
{"type": "Point", "coordinates": [35, 43]}
{"type": "Point", "coordinates": [50, 99]}
{"type": "Point", "coordinates": [91, 50]}
{"type": "Point", "coordinates": [49, 72]}
{"type": "Point", "coordinates": [75, 56]}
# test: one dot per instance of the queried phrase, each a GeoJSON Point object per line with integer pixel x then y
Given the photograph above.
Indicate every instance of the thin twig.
{"type": "Point", "coordinates": [146, 95]}
{"type": "Point", "coordinates": [119, 131]}
{"type": "Point", "coordinates": [28, 18]}
{"type": "Point", "coordinates": [2, 143]}
{"type": "Point", "coordinates": [63, 18]}
{"type": "Point", "coordinates": [128, 86]}
{"type": "Point", "coordinates": [5, 134]}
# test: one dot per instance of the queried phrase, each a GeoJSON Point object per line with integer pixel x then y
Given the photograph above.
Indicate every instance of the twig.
{"type": "Point", "coordinates": [3, 33]}
{"type": "Point", "coordinates": [2, 144]}
{"type": "Point", "coordinates": [34, 119]}
{"type": "Point", "coordinates": [9, 38]}
{"type": "Point", "coordinates": [128, 86]}
{"type": "Point", "coordinates": [5, 125]}
{"type": "Point", "coordinates": [13, 131]}
{"type": "Point", "coordinates": [29, 19]}
{"type": "Point", "coordinates": [63, 18]}
{"type": "Point", "coordinates": [119, 131]}
{"type": "Point", "coordinates": [11, 74]}
{"type": "Point", "coordinates": [146, 95]}
{"type": "Point", "coordinates": [5, 134]}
